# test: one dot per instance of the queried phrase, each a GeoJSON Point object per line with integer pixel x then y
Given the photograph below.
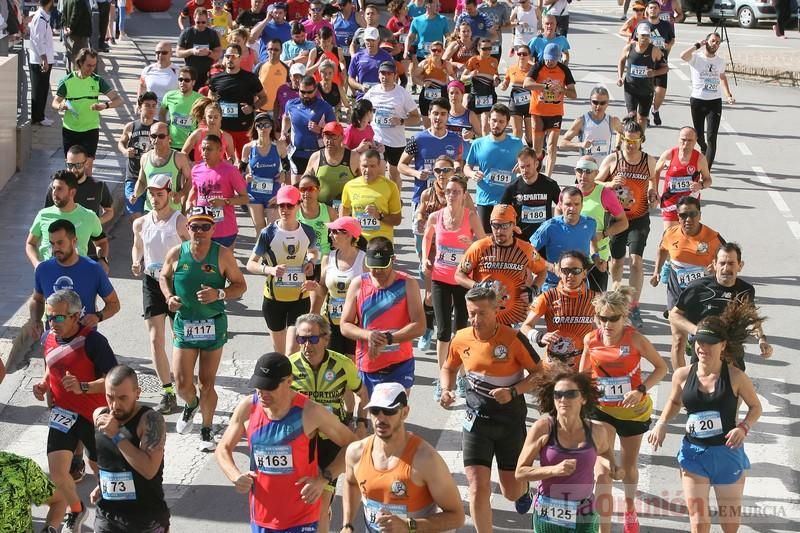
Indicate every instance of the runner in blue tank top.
{"type": "Point", "coordinates": [262, 158]}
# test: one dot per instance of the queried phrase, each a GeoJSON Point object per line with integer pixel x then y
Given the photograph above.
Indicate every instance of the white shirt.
{"type": "Point", "coordinates": [527, 25]}
{"type": "Point", "coordinates": [41, 43]}
{"type": "Point", "coordinates": [395, 103]}
{"type": "Point", "coordinates": [559, 9]}
{"type": "Point", "coordinates": [705, 73]}
{"type": "Point", "coordinates": [160, 80]}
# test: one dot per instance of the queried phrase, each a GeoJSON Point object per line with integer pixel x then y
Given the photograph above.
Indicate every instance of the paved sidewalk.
{"type": "Point", "coordinates": [24, 194]}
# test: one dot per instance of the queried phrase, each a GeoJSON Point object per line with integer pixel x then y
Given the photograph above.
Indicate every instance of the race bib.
{"type": "Point", "coordinates": [549, 96]}
{"type": "Point", "coordinates": [336, 204]}
{"type": "Point", "coordinates": [448, 256]}
{"type": "Point", "coordinates": [262, 185]}
{"type": "Point", "coordinates": [394, 347]}
{"type": "Point", "coordinates": [665, 16]}
{"type": "Point", "coordinates": [658, 41]}
{"type": "Point", "coordinates": [335, 306]}
{"type": "Point", "coordinates": [686, 275]}
{"type": "Point", "coordinates": [599, 146]}
{"type": "Point", "coordinates": [199, 330]}
{"type": "Point", "coordinates": [680, 184]}
{"type": "Point", "coordinates": [372, 509]}
{"type": "Point", "coordinates": [495, 49]}
{"type": "Point", "coordinates": [229, 109]}
{"type": "Point", "coordinates": [483, 102]}
{"type": "Point", "coordinates": [403, 38]}
{"type": "Point", "coordinates": [638, 71]}
{"type": "Point", "coordinates": [614, 389]}
{"type": "Point", "coordinates": [521, 98]}
{"type": "Point", "coordinates": [469, 420]}
{"type": "Point", "coordinates": [273, 459]}
{"type": "Point", "coordinates": [116, 486]}
{"type": "Point", "coordinates": [383, 119]}
{"type": "Point", "coordinates": [561, 513]}
{"type": "Point", "coordinates": [704, 424]}
{"type": "Point", "coordinates": [218, 214]}
{"type": "Point", "coordinates": [293, 278]}
{"type": "Point", "coordinates": [502, 177]}
{"type": "Point", "coordinates": [368, 223]}
{"type": "Point", "coordinates": [182, 121]}
{"type": "Point", "coordinates": [153, 270]}
{"type": "Point", "coordinates": [432, 93]}
{"type": "Point", "coordinates": [61, 419]}
{"type": "Point", "coordinates": [710, 85]}
{"type": "Point", "coordinates": [533, 214]}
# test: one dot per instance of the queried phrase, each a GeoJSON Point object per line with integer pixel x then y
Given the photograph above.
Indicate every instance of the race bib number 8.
{"type": "Point", "coordinates": [199, 330]}
{"type": "Point", "coordinates": [704, 424]}
{"type": "Point", "coordinates": [62, 420]}
{"type": "Point", "coordinates": [117, 486]}
{"type": "Point", "coordinates": [273, 459]}
{"type": "Point", "coordinates": [557, 512]}
{"type": "Point", "coordinates": [614, 389]}
{"type": "Point", "coordinates": [373, 509]}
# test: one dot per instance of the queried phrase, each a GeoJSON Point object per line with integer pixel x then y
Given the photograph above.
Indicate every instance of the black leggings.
{"type": "Point", "coordinates": [784, 14]}
{"type": "Point", "coordinates": [706, 113]}
{"type": "Point", "coordinates": [446, 299]}
{"type": "Point", "coordinates": [485, 214]}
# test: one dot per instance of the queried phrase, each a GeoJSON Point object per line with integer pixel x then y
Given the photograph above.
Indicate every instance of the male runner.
{"type": "Point", "coordinates": [373, 199]}
{"type": "Point", "coordinates": [639, 64]}
{"type": "Point", "coordinates": [155, 234]}
{"type": "Point", "coordinates": [304, 119]}
{"type": "Point", "coordinates": [509, 262]}
{"type": "Point", "coordinates": [533, 195]}
{"type": "Point", "coordinates": [199, 46]}
{"type": "Point", "coordinates": [495, 358]}
{"type": "Point", "coordinates": [402, 481]}
{"type": "Point", "coordinates": [91, 194]}
{"type": "Point", "coordinates": [162, 159]}
{"type": "Point", "coordinates": [133, 143]}
{"type": "Point", "coordinates": [176, 109]}
{"type": "Point", "coordinates": [130, 457]}
{"type": "Point", "coordinates": [196, 279]}
{"type": "Point", "coordinates": [662, 35]}
{"type": "Point", "coordinates": [284, 481]}
{"type": "Point", "coordinates": [76, 360]}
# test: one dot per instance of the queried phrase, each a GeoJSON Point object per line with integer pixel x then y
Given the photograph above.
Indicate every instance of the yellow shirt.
{"type": "Point", "coordinates": [382, 193]}
{"type": "Point", "coordinates": [221, 23]}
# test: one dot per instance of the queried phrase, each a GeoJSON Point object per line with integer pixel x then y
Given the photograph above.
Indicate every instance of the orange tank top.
{"type": "Point", "coordinates": [632, 193]}
{"type": "Point", "coordinates": [617, 368]}
{"type": "Point", "coordinates": [392, 490]}
{"type": "Point", "coordinates": [434, 73]}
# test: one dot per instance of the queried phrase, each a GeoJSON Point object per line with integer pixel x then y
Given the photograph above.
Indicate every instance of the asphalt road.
{"type": "Point", "coordinates": [754, 202]}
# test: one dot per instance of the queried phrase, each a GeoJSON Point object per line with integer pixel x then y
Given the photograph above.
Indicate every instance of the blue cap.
{"type": "Point", "coordinates": [552, 52]}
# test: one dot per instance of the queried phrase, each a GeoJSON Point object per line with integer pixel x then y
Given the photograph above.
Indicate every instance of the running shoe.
{"type": "Point", "coordinates": [207, 442]}
{"type": "Point", "coordinates": [656, 118]}
{"type": "Point", "coordinates": [636, 318]}
{"type": "Point", "coordinates": [461, 387]}
{"type": "Point", "coordinates": [77, 468]}
{"type": "Point", "coordinates": [186, 422]}
{"type": "Point", "coordinates": [631, 524]}
{"type": "Point", "coordinates": [425, 340]}
{"type": "Point", "coordinates": [73, 521]}
{"type": "Point", "coordinates": [49, 529]}
{"type": "Point", "coordinates": [168, 404]}
{"type": "Point", "coordinates": [524, 502]}
{"type": "Point", "coordinates": [437, 390]}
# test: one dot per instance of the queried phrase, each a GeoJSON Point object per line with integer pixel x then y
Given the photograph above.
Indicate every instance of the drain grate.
{"type": "Point", "coordinates": [149, 383]}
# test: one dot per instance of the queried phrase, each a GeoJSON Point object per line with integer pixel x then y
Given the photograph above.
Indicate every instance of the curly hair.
{"type": "Point", "coordinates": [618, 300]}
{"type": "Point", "coordinates": [739, 321]}
{"type": "Point", "coordinates": [198, 111]}
{"type": "Point", "coordinates": [546, 384]}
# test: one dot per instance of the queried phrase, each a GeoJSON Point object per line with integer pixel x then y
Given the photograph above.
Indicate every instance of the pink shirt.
{"type": "Point", "coordinates": [222, 181]}
{"type": "Point", "coordinates": [353, 136]}
{"type": "Point", "coordinates": [450, 248]}
{"type": "Point", "coordinates": [312, 28]}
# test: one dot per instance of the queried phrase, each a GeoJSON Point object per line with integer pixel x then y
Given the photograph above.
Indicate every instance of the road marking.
{"type": "Point", "coordinates": [777, 199]}
{"type": "Point", "coordinates": [762, 176]}
{"type": "Point", "coordinates": [673, 67]}
{"type": "Point", "coordinates": [744, 149]}
{"type": "Point", "coordinates": [795, 227]}
{"type": "Point", "coordinates": [727, 127]}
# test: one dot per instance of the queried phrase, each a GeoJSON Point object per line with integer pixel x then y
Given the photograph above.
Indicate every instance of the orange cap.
{"type": "Point", "coordinates": [504, 213]}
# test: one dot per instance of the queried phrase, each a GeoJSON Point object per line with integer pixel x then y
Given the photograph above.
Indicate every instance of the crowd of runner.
{"type": "Point", "coordinates": [299, 114]}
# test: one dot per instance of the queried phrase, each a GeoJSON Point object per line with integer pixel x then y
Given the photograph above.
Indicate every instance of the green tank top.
{"type": "Point", "coordinates": [319, 226]}
{"type": "Point", "coordinates": [332, 179]}
{"type": "Point", "coordinates": [190, 275]}
{"type": "Point", "coordinates": [169, 168]}
{"type": "Point", "coordinates": [593, 207]}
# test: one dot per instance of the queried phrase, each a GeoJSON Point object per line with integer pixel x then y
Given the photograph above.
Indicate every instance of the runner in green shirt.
{"type": "Point", "coordinates": [87, 224]}
{"type": "Point", "coordinates": [22, 484]}
{"type": "Point", "coordinates": [176, 108]}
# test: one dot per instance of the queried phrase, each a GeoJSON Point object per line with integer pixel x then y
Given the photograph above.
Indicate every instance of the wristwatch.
{"type": "Point", "coordinates": [84, 387]}
{"type": "Point", "coordinates": [641, 388]}
{"type": "Point", "coordinates": [389, 337]}
{"type": "Point", "coordinates": [412, 525]}
{"type": "Point", "coordinates": [220, 294]}
{"type": "Point", "coordinates": [327, 475]}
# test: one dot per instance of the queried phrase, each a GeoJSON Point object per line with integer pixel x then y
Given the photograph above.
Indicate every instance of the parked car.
{"type": "Point", "coordinates": [748, 13]}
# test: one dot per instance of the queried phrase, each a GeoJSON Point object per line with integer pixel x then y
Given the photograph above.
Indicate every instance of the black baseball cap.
{"type": "Point", "coordinates": [270, 370]}
{"type": "Point", "coordinates": [707, 335]}
{"type": "Point", "coordinates": [380, 256]}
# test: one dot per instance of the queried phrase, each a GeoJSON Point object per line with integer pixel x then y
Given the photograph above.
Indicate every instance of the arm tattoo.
{"type": "Point", "coordinates": [154, 431]}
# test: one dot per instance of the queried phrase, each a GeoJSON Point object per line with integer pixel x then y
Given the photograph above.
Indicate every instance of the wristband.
{"type": "Point", "coordinates": [745, 426]}
{"type": "Point", "coordinates": [697, 46]}
{"type": "Point", "coordinates": [514, 392]}
{"type": "Point", "coordinates": [348, 526]}
{"type": "Point", "coordinates": [539, 336]}
{"type": "Point", "coordinates": [116, 439]}
{"type": "Point", "coordinates": [389, 337]}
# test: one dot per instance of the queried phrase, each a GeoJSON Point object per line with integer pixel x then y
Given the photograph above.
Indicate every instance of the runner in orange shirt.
{"type": "Point", "coordinates": [567, 310]}
{"type": "Point", "coordinates": [506, 260]}
{"type": "Point", "coordinates": [550, 80]}
{"type": "Point", "coordinates": [482, 71]}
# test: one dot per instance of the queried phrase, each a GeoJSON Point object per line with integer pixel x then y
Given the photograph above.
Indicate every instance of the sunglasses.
{"type": "Point", "coordinates": [309, 188]}
{"type": "Point", "coordinates": [599, 102]}
{"type": "Point", "coordinates": [201, 227]}
{"type": "Point", "coordinates": [80, 164]}
{"type": "Point", "coordinates": [158, 135]}
{"type": "Point", "coordinates": [231, 56]}
{"type": "Point", "coordinates": [198, 22]}
{"type": "Point", "coordinates": [501, 225]}
{"type": "Point", "coordinates": [486, 48]}
{"type": "Point", "coordinates": [437, 50]}
{"type": "Point", "coordinates": [583, 171]}
{"type": "Point", "coordinates": [263, 125]}
{"type": "Point", "coordinates": [58, 319]}
{"type": "Point", "coordinates": [523, 54]}
{"type": "Point", "coordinates": [572, 270]}
{"type": "Point", "coordinates": [628, 140]}
{"type": "Point", "coordinates": [443, 170]}
{"type": "Point", "coordinates": [688, 214]}
{"type": "Point", "coordinates": [312, 91]}
{"type": "Point", "coordinates": [570, 394]}
{"type": "Point", "coordinates": [185, 80]}
{"type": "Point", "coordinates": [286, 206]}
{"type": "Point", "coordinates": [638, 10]}
{"type": "Point", "coordinates": [613, 318]}
{"type": "Point", "coordinates": [311, 339]}
{"type": "Point", "coordinates": [386, 411]}
{"type": "Point", "coordinates": [339, 231]}
{"type": "Point", "coordinates": [161, 52]}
